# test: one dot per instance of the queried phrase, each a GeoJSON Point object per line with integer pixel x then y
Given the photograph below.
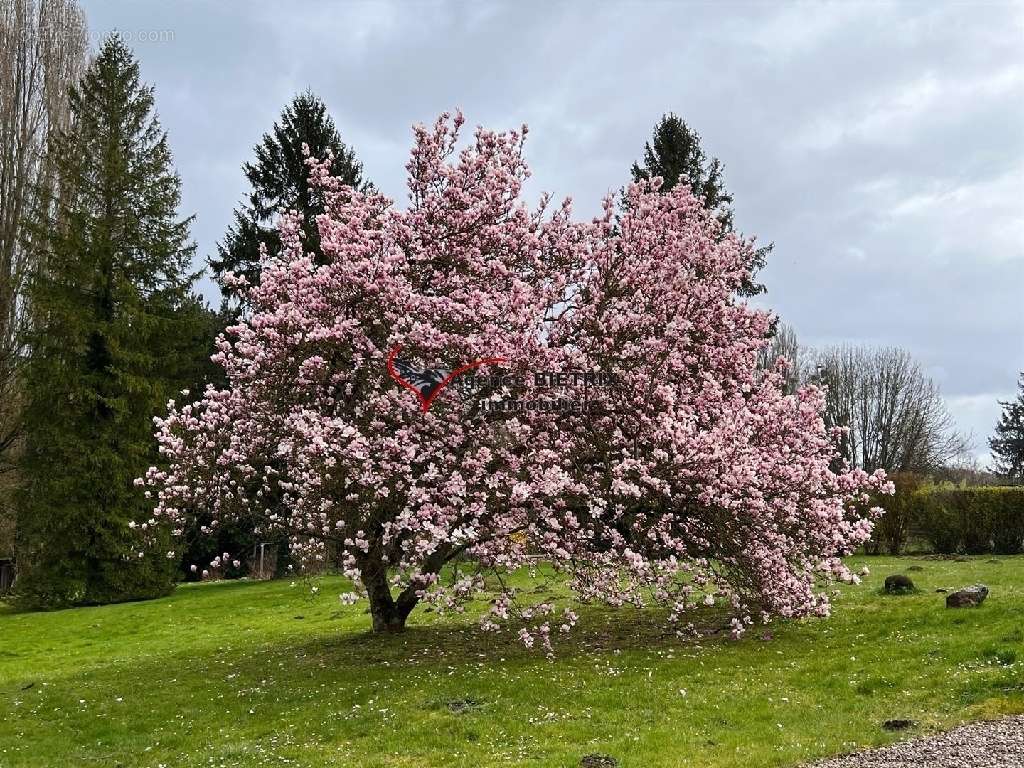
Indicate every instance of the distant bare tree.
{"type": "Point", "coordinates": [43, 48]}
{"type": "Point", "coordinates": [896, 416]}
{"type": "Point", "coordinates": [967, 470]}
{"type": "Point", "coordinates": [783, 344]}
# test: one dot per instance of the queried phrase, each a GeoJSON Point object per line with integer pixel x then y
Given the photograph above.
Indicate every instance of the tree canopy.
{"type": "Point", "coordinates": [650, 460]}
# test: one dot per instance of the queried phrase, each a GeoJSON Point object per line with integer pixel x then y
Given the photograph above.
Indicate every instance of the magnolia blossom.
{"type": "Point", "coordinates": [691, 479]}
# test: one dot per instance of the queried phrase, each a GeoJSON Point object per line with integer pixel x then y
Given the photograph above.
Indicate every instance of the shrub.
{"type": "Point", "coordinates": [1008, 521]}
{"type": "Point", "coordinates": [893, 528]}
{"type": "Point", "coordinates": [937, 523]}
{"type": "Point", "coordinates": [973, 520]}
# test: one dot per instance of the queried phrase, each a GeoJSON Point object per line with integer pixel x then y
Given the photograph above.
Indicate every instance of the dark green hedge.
{"type": "Point", "coordinates": [973, 520]}
{"type": "Point", "coordinates": [894, 527]}
{"type": "Point", "coordinates": [947, 519]}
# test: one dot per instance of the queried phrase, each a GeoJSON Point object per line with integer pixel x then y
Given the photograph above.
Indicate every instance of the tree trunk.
{"type": "Point", "coordinates": [388, 614]}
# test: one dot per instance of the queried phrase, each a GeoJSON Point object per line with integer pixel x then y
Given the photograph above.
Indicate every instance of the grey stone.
{"type": "Point", "coordinates": [968, 597]}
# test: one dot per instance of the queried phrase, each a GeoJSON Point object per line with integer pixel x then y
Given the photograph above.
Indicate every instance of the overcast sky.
{"type": "Point", "coordinates": [880, 147]}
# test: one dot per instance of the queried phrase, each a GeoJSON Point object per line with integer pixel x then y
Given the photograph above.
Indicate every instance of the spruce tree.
{"type": "Point", "coordinates": [675, 154]}
{"type": "Point", "coordinates": [114, 332]}
{"type": "Point", "coordinates": [279, 181]}
{"type": "Point", "coordinates": [1007, 445]}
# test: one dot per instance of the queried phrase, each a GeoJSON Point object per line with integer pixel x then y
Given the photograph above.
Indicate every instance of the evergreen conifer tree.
{"type": "Point", "coordinates": [279, 181]}
{"type": "Point", "coordinates": [1007, 445]}
{"type": "Point", "coordinates": [116, 329]}
{"type": "Point", "coordinates": [675, 154]}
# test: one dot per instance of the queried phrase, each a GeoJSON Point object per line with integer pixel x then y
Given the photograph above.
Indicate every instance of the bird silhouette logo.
{"type": "Point", "coordinates": [428, 383]}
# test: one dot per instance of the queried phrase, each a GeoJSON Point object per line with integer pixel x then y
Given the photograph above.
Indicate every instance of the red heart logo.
{"type": "Point", "coordinates": [430, 382]}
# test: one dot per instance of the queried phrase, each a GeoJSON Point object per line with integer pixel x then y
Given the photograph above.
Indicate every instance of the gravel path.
{"type": "Point", "coordinates": [992, 744]}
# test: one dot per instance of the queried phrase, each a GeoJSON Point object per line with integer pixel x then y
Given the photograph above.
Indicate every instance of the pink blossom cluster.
{"type": "Point", "coordinates": [699, 482]}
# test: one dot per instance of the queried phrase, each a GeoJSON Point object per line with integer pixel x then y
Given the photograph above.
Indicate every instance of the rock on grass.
{"type": "Point", "coordinates": [898, 584]}
{"type": "Point", "coordinates": [968, 597]}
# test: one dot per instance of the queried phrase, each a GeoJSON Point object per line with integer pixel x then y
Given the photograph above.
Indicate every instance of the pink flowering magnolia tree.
{"type": "Point", "coordinates": [622, 431]}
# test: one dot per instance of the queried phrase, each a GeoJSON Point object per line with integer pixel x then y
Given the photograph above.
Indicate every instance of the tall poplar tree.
{"type": "Point", "coordinates": [279, 180]}
{"type": "Point", "coordinates": [43, 52]}
{"type": "Point", "coordinates": [114, 332]}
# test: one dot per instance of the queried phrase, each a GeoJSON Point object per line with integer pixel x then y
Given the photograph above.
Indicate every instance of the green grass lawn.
{"type": "Point", "coordinates": [254, 674]}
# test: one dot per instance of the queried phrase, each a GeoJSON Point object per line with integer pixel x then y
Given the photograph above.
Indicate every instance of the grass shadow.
{"type": "Point", "coordinates": [599, 630]}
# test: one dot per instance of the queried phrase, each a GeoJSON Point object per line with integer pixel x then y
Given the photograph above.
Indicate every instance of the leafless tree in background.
{"type": "Point", "coordinates": [43, 51]}
{"type": "Point", "coordinates": [896, 416]}
{"type": "Point", "coordinates": [783, 344]}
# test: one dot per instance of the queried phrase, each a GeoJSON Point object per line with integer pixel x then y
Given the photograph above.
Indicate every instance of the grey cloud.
{"type": "Point", "coordinates": [881, 147]}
